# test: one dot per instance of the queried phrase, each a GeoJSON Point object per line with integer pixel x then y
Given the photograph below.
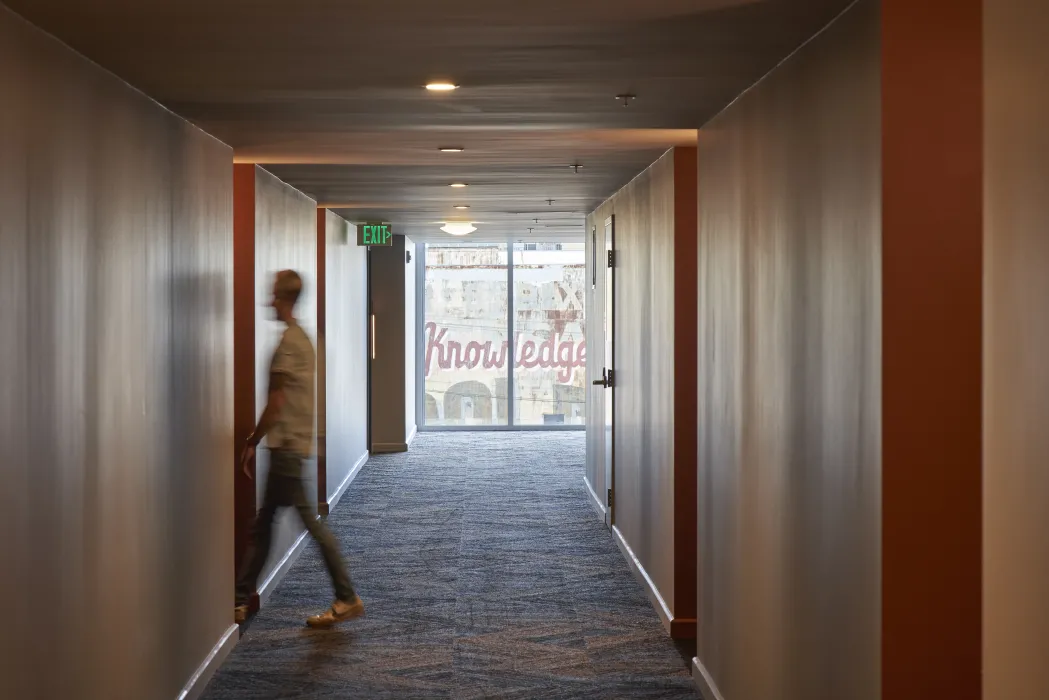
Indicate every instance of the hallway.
{"type": "Point", "coordinates": [485, 573]}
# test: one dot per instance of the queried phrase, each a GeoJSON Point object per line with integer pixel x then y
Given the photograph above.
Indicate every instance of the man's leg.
{"type": "Point", "coordinates": [319, 531]}
{"type": "Point", "coordinates": [347, 605]}
{"type": "Point", "coordinates": [258, 549]}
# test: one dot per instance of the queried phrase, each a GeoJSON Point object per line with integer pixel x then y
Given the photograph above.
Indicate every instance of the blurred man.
{"type": "Point", "coordinates": [287, 422]}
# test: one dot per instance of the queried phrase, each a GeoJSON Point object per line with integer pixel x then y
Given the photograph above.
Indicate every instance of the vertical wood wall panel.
{"type": "Point", "coordinates": [345, 349]}
{"type": "Point", "coordinates": [116, 409]}
{"type": "Point", "coordinates": [1016, 350]}
{"type": "Point", "coordinates": [789, 377]}
{"type": "Point", "coordinates": [285, 238]}
{"type": "Point", "coordinates": [644, 353]}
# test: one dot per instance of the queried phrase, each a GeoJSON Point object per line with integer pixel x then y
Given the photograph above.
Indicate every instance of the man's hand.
{"type": "Point", "coordinates": [269, 415]}
{"type": "Point", "coordinates": [246, 455]}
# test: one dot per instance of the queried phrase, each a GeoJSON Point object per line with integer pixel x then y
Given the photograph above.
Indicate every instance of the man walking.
{"type": "Point", "coordinates": [287, 423]}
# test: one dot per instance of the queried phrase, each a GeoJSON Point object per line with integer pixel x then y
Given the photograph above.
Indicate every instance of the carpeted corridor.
{"type": "Point", "coordinates": [485, 574]}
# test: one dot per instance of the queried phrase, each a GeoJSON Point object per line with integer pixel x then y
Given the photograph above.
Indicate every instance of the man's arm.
{"type": "Point", "coordinates": [274, 404]}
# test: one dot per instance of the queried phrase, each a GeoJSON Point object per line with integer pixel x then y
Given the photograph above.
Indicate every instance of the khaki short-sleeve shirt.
{"type": "Point", "coordinates": [294, 358]}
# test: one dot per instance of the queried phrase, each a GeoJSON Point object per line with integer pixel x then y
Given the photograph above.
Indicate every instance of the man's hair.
{"type": "Point", "coordinates": [289, 286]}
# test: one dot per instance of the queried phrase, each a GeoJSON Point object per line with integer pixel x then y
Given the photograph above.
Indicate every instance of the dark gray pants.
{"type": "Point", "coordinates": [283, 490]}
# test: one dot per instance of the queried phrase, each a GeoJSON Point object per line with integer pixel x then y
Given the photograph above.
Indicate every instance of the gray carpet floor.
{"type": "Point", "coordinates": [485, 574]}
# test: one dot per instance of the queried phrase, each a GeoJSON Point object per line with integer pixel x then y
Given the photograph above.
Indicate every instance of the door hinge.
{"type": "Point", "coordinates": [611, 258]}
{"type": "Point", "coordinates": [608, 379]}
{"type": "Point", "coordinates": [609, 498]}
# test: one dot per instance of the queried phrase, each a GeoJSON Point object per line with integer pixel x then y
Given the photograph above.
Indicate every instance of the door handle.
{"type": "Point", "coordinates": [605, 380]}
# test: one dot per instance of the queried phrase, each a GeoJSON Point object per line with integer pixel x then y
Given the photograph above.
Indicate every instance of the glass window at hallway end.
{"type": "Point", "coordinates": [465, 343]}
{"type": "Point", "coordinates": [549, 333]}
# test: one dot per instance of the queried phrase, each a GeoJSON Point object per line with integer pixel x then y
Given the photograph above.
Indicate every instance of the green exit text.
{"type": "Point", "coordinates": [374, 234]}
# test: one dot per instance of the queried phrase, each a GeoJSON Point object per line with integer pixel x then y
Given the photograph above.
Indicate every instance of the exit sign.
{"type": "Point", "coordinates": [374, 234]}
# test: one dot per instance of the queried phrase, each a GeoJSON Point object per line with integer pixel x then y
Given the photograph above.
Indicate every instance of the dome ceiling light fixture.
{"type": "Point", "coordinates": [461, 206]}
{"type": "Point", "coordinates": [441, 86]}
{"type": "Point", "coordinates": [576, 167]}
{"type": "Point", "coordinates": [626, 98]}
{"type": "Point", "coordinates": [458, 184]}
{"type": "Point", "coordinates": [458, 228]}
{"type": "Point", "coordinates": [451, 149]}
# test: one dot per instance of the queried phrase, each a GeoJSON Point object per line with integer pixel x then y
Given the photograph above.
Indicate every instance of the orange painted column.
{"type": "Point", "coordinates": [686, 371]}
{"type": "Point", "coordinates": [322, 367]}
{"type": "Point", "coordinates": [243, 352]}
{"type": "Point", "coordinates": [932, 349]}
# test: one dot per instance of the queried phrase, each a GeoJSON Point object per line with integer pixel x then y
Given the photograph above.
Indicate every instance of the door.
{"type": "Point", "coordinates": [607, 372]}
{"type": "Point", "coordinates": [370, 333]}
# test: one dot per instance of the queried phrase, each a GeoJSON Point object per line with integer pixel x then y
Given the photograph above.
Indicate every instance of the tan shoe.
{"type": "Point", "coordinates": [340, 611]}
{"type": "Point", "coordinates": [240, 614]}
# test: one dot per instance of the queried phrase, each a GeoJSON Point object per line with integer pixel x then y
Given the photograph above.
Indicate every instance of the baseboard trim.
{"type": "Point", "coordinates": [683, 628]}
{"type": "Point", "coordinates": [194, 688]}
{"type": "Point", "coordinates": [708, 690]}
{"type": "Point", "coordinates": [381, 448]}
{"type": "Point", "coordinates": [665, 616]}
{"type": "Point", "coordinates": [594, 500]}
{"type": "Point", "coordinates": [411, 436]}
{"type": "Point", "coordinates": [325, 507]}
{"type": "Point", "coordinates": [281, 569]}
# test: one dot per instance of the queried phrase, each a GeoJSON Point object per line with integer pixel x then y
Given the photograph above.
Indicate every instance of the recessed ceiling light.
{"type": "Point", "coordinates": [458, 228]}
{"type": "Point", "coordinates": [462, 206]}
{"type": "Point", "coordinates": [457, 184]}
{"type": "Point", "coordinates": [451, 149]}
{"type": "Point", "coordinates": [441, 87]}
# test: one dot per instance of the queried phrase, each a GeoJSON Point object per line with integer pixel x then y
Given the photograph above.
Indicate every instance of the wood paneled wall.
{"type": "Point", "coordinates": [790, 355]}
{"type": "Point", "coordinates": [283, 236]}
{"type": "Point", "coordinates": [116, 400]}
{"type": "Point", "coordinates": [1016, 350]}
{"type": "Point", "coordinates": [655, 385]}
{"type": "Point", "coordinates": [343, 351]}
